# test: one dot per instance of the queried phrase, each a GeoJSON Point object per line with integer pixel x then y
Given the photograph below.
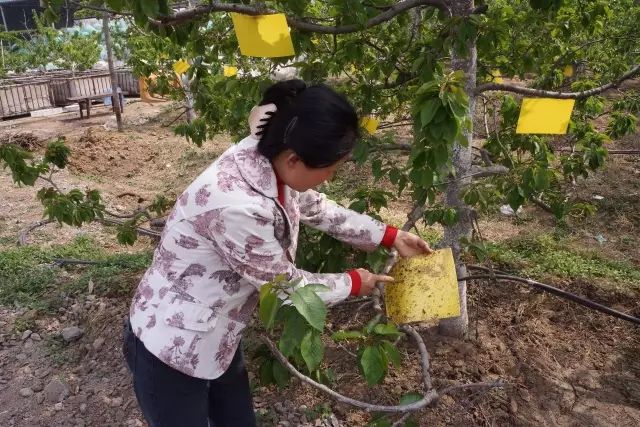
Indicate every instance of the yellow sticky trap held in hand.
{"type": "Point", "coordinates": [264, 36]}
{"type": "Point", "coordinates": [180, 67]}
{"type": "Point", "coordinates": [425, 288]}
{"type": "Point", "coordinates": [229, 71]}
{"type": "Point", "coordinates": [370, 124]}
{"type": "Point", "coordinates": [545, 115]}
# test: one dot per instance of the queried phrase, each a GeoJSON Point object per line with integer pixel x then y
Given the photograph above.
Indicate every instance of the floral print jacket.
{"type": "Point", "coordinates": [227, 235]}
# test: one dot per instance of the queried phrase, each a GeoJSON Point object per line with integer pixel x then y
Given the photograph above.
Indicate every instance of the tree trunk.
{"type": "Point", "coordinates": [458, 326]}
{"type": "Point", "coordinates": [115, 96]}
{"type": "Point", "coordinates": [189, 100]}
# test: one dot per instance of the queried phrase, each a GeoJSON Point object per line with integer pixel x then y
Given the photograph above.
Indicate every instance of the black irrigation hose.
{"type": "Point", "coordinates": [558, 292]}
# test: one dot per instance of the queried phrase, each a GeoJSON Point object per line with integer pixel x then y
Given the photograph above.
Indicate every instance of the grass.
{"type": "Point", "coordinates": [546, 256]}
{"type": "Point", "coordinates": [28, 278]}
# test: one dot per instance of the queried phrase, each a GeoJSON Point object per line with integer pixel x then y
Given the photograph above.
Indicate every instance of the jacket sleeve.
{"type": "Point", "coordinates": [245, 237]}
{"type": "Point", "coordinates": [358, 230]}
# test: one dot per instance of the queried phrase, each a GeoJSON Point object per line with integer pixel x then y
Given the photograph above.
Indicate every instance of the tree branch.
{"type": "Point", "coordinates": [98, 9]}
{"type": "Point", "coordinates": [424, 355]}
{"type": "Point", "coordinates": [558, 95]}
{"type": "Point", "coordinates": [485, 171]}
{"type": "Point", "coordinates": [391, 147]}
{"type": "Point", "coordinates": [140, 230]}
{"type": "Point", "coordinates": [302, 25]}
{"type": "Point", "coordinates": [430, 396]}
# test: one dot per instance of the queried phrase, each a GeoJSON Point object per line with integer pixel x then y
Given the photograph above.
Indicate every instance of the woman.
{"type": "Point", "coordinates": [232, 230]}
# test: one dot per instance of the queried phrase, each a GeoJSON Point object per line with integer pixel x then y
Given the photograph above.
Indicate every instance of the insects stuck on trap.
{"type": "Point", "coordinates": [425, 288]}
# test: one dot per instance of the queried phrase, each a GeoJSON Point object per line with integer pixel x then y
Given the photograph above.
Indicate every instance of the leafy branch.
{"type": "Point", "coordinates": [634, 71]}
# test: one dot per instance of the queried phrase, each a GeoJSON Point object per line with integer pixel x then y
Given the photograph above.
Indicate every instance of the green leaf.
{"type": "Point", "coordinates": [372, 365]}
{"type": "Point", "coordinates": [380, 420]}
{"type": "Point", "coordinates": [293, 332]}
{"type": "Point", "coordinates": [312, 349]}
{"type": "Point", "coordinates": [542, 178]}
{"type": "Point", "coordinates": [392, 352]}
{"type": "Point", "coordinates": [127, 232]}
{"type": "Point", "coordinates": [316, 287]}
{"type": "Point", "coordinates": [310, 306]}
{"type": "Point", "coordinates": [151, 8]}
{"type": "Point", "coordinates": [387, 329]}
{"type": "Point", "coordinates": [347, 335]}
{"type": "Point", "coordinates": [57, 153]}
{"type": "Point", "coordinates": [280, 374]}
{"type": "Point", "coordinates": [372, 323]}
{"type": "Point", "coordinates": [269, 305]}
{"type": "Point", "coordinates": [266, 372]}
{"type": "Point", "coordinates": [429, 110]}
{"type": "Point", "coordinates": [410, 398]}
{"type": "Point", "coordinates": [515, 199]}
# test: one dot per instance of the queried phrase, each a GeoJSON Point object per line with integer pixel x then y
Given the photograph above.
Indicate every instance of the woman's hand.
{"type": "Point", "coordinates": [369, 281]}
{"type": "Point", "coordinates": [409, 245]}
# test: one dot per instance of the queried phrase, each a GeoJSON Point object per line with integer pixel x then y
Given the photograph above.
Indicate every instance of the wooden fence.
{"type": "Point", "coordinates": [22, 94]}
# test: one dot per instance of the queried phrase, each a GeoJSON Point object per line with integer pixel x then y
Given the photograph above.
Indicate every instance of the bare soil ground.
{"type": "Point", "coordinates": [563, 364]}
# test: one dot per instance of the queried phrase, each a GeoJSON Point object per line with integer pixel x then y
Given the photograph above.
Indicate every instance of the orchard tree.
{"type": "Point", "coordinates": [431, 65]}
{"type": "Point", "coordinates": [64, 49]}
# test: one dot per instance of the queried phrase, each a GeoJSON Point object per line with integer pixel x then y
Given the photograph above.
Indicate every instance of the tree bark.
{"type": "Point", "coordinates": [189, 99]}
{"type": "Point", "coordinates": [461, 160]}
{"type": "Point", "coordinates": [115, 96]}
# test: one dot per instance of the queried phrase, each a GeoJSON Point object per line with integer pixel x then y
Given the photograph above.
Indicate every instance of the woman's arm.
{"type": "Point", "coordinates": [358, 230]}
{"type": "Point", "coordinates": [244, 237]}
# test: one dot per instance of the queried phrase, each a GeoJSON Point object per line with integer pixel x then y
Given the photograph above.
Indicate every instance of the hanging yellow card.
{"type": "Point", "coordinates": [229, 71]}
{"type": "Point", "coordinates": [180, 67]}
{"type": "Point", "coordinates": [545, 115]}
{"type": "Point", "coordinates": [425, 288]}
{"type": "Point", "coordinates": [568, 71]}
{"type": "Point", "coordinates": [370, 124]}
{"type": "Point", "coordinates": [264, 36]}
{"type": "Point", "coordinates": [497, 76]}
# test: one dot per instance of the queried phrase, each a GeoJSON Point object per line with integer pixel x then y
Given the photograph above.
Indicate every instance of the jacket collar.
{"type": "Point", "coordinates": [255, 168]}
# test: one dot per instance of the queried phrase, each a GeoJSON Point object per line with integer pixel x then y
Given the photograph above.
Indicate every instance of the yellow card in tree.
{"type": "Point", "coordinates": [229, 71]}
{"type": "Point", "coordinates": [425, 288]}
{"type": "Point", "coordinates": [545, 115]}
{"type": "Point", "coordinates": [370, 124]}
{"type": "Point", "coordinates": [180, 67]}
{"type": "Point", "coordinates": [264, 36]}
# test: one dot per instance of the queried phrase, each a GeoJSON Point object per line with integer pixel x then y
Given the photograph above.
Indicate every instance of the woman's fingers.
{"type": "Point", "coordinates": [383, 278]}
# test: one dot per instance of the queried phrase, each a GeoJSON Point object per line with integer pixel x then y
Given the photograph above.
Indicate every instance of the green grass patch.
{"type": "Point", "coordinates": [545, 256]}
{"type": "Point", "coordinates": [28, 277]}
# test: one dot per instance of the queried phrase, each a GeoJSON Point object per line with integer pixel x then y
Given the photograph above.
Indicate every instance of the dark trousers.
{"type": "Point", "coordinates": [169, 398]}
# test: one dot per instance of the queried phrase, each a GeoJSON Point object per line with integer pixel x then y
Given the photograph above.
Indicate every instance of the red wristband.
{"type": "Point", "coordinates": [389, 237]}
{"type": "Point", "coordinates": [356, 281]}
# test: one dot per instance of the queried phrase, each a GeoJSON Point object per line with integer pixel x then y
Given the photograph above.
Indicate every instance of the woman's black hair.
{"type": "Point", "coordinates": [315, 122]}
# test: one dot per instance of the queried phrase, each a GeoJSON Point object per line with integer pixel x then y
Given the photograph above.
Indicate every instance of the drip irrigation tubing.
{"type": "Point", "coordinates": [500, 276]}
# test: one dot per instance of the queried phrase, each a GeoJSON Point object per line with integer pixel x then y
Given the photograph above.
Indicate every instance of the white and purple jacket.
{"type": "Point", "coordinates": [232, 230]}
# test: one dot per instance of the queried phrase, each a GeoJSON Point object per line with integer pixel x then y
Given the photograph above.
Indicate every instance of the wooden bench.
{"type": "Point", "coordinates": [85, 101]}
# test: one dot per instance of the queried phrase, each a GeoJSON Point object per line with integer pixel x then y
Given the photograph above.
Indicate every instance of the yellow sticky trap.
{"type": "Point", "coordinates": [425, 288]}
{"type": "Point", "coordinates": [497, 76]}
{"type": "Point", "coordinates": [229, 71]}
{"type": "Point", "coordinates": [545, 115]}
{"type": "Point", "coordinates": [370, 124]}
{"type": "Point", "coordinates": [568, 71]}
{"type": "Point", "coordinates": [180, 67]}
{"type": "Point", "coordinates": [264, 36]}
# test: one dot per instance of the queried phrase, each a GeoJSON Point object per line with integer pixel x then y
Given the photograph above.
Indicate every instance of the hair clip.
{"type": "Point", "coordinates": [259, 118]}
{"type": "Point", "coordinates": [290, 126]}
